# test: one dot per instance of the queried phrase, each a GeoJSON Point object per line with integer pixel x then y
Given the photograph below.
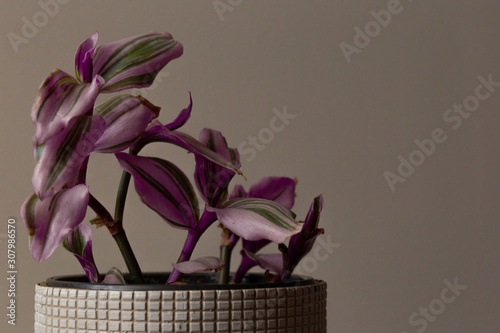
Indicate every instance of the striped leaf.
{"type": "Point", "coordinates": [164, 188]}
{"type": "Point", "coordinates": [79, 242]}
{"type": "Point", "coordinates": [278, 189]}
{"type": "Point", "coordinates": [302, 243]}
{"type": "Point", "coordinates": [126, 119]}
{"type": "Point", "coordinates": [272, 262]}
{"type": "Point", "coordinates": [114, 276]}
{"type": "Point", "coordinates": [51, 220]}
{"type": "Point", "coordinates": [213, 180]}
{"type": "Point", "coordinates": [203, 264]}
{"type": "Point", "coordinates": [83, 59]}
{"type": "Point", "coordinates": [60, 99]}
{"type": "Point", "coordinates": [159, 133]}
{"type": "Point", "coordinates": [134, 62]}
{"type": "Point", "coordinates": [63, 155]}
{"type": "Point", "coordinates": [256, 219]}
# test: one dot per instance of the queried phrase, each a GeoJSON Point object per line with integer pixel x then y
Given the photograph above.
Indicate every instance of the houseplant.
{"type": "Point", "coordinates": [70, 128]}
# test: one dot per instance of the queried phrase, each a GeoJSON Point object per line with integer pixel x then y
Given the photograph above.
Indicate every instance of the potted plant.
{"type": "Point", "coordinates": [70, 128]}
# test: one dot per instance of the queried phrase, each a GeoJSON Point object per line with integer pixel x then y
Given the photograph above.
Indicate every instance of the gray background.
{"type": "Point", "coordinates": [393, 249]}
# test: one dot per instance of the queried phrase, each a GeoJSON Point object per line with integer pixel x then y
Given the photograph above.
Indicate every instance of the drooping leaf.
{"type": "Point", "coordinates": [64, 154]}
{"type": "Point", "coordinates": [50, 220]}
{"type": "Point", "coordinates": [182, 117]}
{"type": "Point", "coordinates": [134, 62]}
{"type": "Point", "coordinates": [200, 265]}
{"type": "Point", "coordinates": [159, 133]}
{"type": "Point", "coordinates": [79, 242]}
{"type": "Point", "coordinates": [257, 219]}
{"type": "Point", "coordinates": [126, 119]}
{"type": "Point", "coordinates": [60, 99]}
{"type": "Point", "coordinates": [164, 188]}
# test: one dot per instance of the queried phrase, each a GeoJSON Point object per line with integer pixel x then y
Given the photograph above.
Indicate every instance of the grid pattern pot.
{"type": "Point", "coordinates": [274, 308]}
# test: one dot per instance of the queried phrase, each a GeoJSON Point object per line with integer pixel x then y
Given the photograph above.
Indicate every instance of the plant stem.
{"type": "Point", "coordinates": [187, 251]}
{"type": "Point", "coordinates": [100, 210]}
{"type": "Point", "coordinates": [225, 255]}
{"type": "Point", "coordinates": [121, 196]}
{"type": "Point", "coordinates": [129, 257]}
{"type": "Point", "coordinates": [116, 230]}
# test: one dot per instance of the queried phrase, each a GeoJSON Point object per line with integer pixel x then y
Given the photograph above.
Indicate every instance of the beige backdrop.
{"type": "Point", "coordinates": [389, 114]}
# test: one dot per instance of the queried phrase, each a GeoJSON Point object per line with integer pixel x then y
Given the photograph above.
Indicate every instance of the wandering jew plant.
{"type": "Point", "coordinates": [70, 128]}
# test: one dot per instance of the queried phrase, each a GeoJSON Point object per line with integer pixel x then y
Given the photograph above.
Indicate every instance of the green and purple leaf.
{"type": "Point", "coordinates": [212, 180]}
{"type": "Point", "coordinates": [79, 242]}
{"type": "Point", "coordinates": [60, 99]}
{"type": "Point", "coordinates": [126, 119]}
{"type": "Point", "coordinates": [83, 59]}
{"type": "Point", "coordinates": [114, 276]}
{"type": "Point", "coordinates": [257, 219]}
{"type": "Point", "coordinates": [164, 188]}
{"type": "Point", "coordinates": [277, 189]}
{"type": "Point", "coordinates": [270, 262]}
{"type": "Point", "coordinates": [134, 62]}
{"type": "Point", "coordinates": [200, 265]}
{"type": "Point", "coordinates": [51, 220]}
{"type": "Point", "coordinates": [302, 243]}
{"type": "Point", "coordinates": [160, 133]}
{"type": "Point", "coordinates": [63, 155]}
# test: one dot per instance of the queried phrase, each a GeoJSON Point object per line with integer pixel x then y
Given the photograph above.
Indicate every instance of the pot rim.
{"type": "Point", "coordinates": [252, 281]}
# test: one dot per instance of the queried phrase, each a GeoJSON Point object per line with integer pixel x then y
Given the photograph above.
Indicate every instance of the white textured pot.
{"type": "Point", "coordinates": [64, 304]}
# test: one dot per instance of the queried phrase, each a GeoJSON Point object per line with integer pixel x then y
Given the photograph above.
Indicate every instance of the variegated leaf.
{"type": "Point", "coordinates": [134, 62]}
{"type": "Point", "coordinates": [79, 242]}
{"type": "Point", "coordinates": [126, 119]}
{"type": "Point", "coordinates": [60, 99]}
{"type": "Point", "coordinates": [256, 219]}
{"type": "Point", "coordinates": [64, 154]}
{"type": "Point", "coordinates": [114, 276]}
{"type": "Point", "coordinates": [278, 189]}
{"type": "Point", "coordinates": [213, 180]}
{"type": "Point", "coordinates": [50, 220]}
{"type": "Point", "coordinates": [272, 262]}
{"type": "Point", "coordinates": [159, 133]}
{"type": "Point", "coordinates": [200, 265]}
{"type": "Point", "coordinates": [83, 59]}
{"type": "Point", "coordinates": [164, 188]}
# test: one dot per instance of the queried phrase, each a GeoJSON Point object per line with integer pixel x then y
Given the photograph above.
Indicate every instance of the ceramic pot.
{"type": "Point", "coordinates": [67, 304]}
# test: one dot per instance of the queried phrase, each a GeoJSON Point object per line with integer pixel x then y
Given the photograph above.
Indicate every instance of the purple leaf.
{"type": "Point", "coordinates": [256, 219]}
{"type": "Point", "coordinates": [301, 244]}
{"type": "Point", "coordinates": [238, 192]}
{"type": "Point", "coordinates": [182, 117]}
{"type": "Point", "coordinates": [114, 276]}
{"type": "Point", "coordinates": [63, 156]}
{"type": "Point", "coordinates": [212, 180]}
{"type": "Point", "coordinates": [126, 119]}
{"type": "Point", "coordinates": [50, 220]}
{"type": "Point", "coordinates": [60, 99]}
{"type": "Point", "coordinates": [164, 188]}
{"type": "Point", "coordinates": [134, 62]}
{"type": "Point", "coordinates": [83, 59]}
{"type": "Point", "coordinates": [277, 189]}
{"type": "Point", "coordinates": [79, 242]}
{"type": "Point", "coordinates": [271, 262]}
{"type": "Point", "coordinates": [200, 265]}
{"type": "Point", "coordinates": [159, 133]}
